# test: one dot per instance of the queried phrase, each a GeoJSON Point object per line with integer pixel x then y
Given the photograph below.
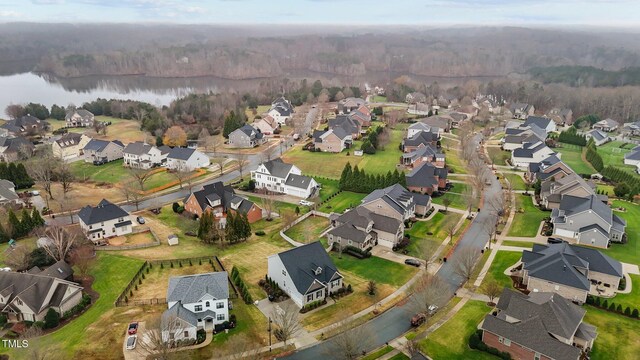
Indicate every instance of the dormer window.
{"type": "Point", "coordinates": [318, 270]}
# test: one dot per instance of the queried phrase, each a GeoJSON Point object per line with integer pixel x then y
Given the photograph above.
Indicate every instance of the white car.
{"type": "Point", "coordinates": [305, 203]}
{"type": "Point", "coordinates": [432, 309]}
{"type": "Point", "coordinates": [131, 342]}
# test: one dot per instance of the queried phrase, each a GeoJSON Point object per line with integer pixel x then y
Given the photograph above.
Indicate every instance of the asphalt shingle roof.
{"type": "Point", "coordinates": [189, 289]}
{"type": "Point", "coordinates": [301, 263]}
{"type": "Point", "coordinates": [105, 211]}
{"type": "Point", "coordinates": [180, 153]}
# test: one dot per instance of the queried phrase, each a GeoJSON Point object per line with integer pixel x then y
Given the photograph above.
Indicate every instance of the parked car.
{"type": "Point", "coordinates": [99, 162]}
{"type": "Point", "coordinates": [140, 220]}
{"type": "Point", "coordinates": [412, 262]}
{"type": "Point", "coordinates": [131, 342]}
{"type": "Point", "coordinates": [432, 309]}
{"type": "Point", "coordinates": [133, 328]}
{"type": "Point", "coordinates": [305, 203]}
{"type": "Point", "coordinates": [554, 240]}
{"type": "Point", "coordinates": [418, 319]}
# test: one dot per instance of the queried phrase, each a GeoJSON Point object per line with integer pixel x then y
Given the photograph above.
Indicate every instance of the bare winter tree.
{"type": "Point", "coordinates": [286, 321]}
{"type": "Point", "coordinates": [243, 161]}
{"type": "Point", "coordinates": [43, 170]}
{"type": "Point", "coordinates": [14, 111]}
{"type": "Point", "coordinates": [464, 261]}
{"type": "Point", "coordinates": [492, 289]}
{"type": "Point", "coordinates": [62, 241]}
{"type": "Point", "coordinates": [446, 202]}
{"type": "Point", "coordinates": [83, 258]}
{"type": "Point", "coordinates": [268, 153]}
{"type": "Point", "coordinates": [180, 173]}
{"type": "Point", "coordinates": [427, 249]}
{"type": "Point", "coordinates": [429, 290]}
{"type": "Point", "coordinates": [469, 199]}
{"type": "Point", "coordinates": [140, 113]}
{"type": "Point", "coordinates": [18, 258]}
{"type": "Point", "coordinates": [140, 176]}
{"type": "Point", "coordinates": [351, 344]}
{"type": "Point", "coordinates": [268, 206]}
{"type": "Point", "coordinates": [412, 348]}
{"type": "Point", "coordinates": [451, 230]}
{"type": "Point", "coordinates": [157, 339]}
{"type": "Point", "coordinates": [65, 177]}
{"type": "Point", "coordinates": [220, 162]}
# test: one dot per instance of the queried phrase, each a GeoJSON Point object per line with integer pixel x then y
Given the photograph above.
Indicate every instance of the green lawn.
{"type": "Point", "coordinates": [631, 300]}
{"type": "Point", "coordinates": [159, 179]}
{"type": "Point", "coordinates": [613, 152]}
{"type": "Point", "coordinates": [329, 187]}
{"type": "Point", "coordinates": [455, 195]}
{"type": "Point", "coordinates": [517, 183]}
{"type": "Point", "coordinates": [378, 99]}
{"type": "Point", "coordinates": [437, 226]}
{"type": "Point", "coordinates": [342, 201]}
{"type": "Point", "coordinates": [309, 229]}
{"type": "Point", "coordinates": [607, 189]}
{"type": "Point", "coordinates": [501, 262]}
{"type": "Point", "coordinates": [399, 356]}
{"type": "Point", "coordinates": [572, 156]}
{"type": "Point", "coordinates": [498, 156]}
{"type": "Point", "coordinates": [454, 163]}
{"type": "Point", "coordinates": [526, 244]}
{"type": "Point", "coordinates": [112, 273]}
{"type": "Point", "coordinates": [526, 223]}
{"type": "Point", "coordinates": [374, 268]}
{"type": "Point", "coordinates": [112, 172]}
{"type": "Point", "coordinates": [617, 335]}
{"type": "Point", "coordinates": [629, 252]}
{"type": "Point", "coordinates": [451, 340]}
{"type": "Point", "coordinates": [378, 353]}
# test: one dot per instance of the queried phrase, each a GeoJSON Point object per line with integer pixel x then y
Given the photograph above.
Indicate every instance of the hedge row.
{"type": "Point", "coordinates": [237, 280]}
{"type": "Point", "coordinates": [605, 305]}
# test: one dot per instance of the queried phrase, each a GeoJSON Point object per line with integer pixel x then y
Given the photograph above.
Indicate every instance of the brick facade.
{"type": "Point", "coordinates": [517, 351]}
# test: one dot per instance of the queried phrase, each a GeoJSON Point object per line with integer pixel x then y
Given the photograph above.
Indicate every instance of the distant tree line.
{"type": "Point", "coordinates": [149, 116]}
{"type": "Point", "coordinates": [586, 76]}
{"type": "Point", "coordinates": [356, 180]}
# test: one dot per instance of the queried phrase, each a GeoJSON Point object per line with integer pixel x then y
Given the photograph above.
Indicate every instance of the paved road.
{"type": "Point", "coordinates": [395, 322]}
{"type": "Point", "coordinates": [253, 161]}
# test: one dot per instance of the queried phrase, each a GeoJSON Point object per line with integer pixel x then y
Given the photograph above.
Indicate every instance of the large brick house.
{"type": "Point", "coordinates": [427, 179]}
{"type": "Point", "coordinates": [220, 199]}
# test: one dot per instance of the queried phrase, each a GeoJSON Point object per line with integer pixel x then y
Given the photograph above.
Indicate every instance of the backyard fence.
{"type": "Point", "coordinates": [155, 242]}
{"type": "Point", "coordinates": [123, 298]}
{"type": "Point", "coordinates": [297, 221]}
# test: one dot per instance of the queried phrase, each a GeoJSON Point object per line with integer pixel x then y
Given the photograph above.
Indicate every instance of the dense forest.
{"type": "Point", "coordinates": [586, 76]}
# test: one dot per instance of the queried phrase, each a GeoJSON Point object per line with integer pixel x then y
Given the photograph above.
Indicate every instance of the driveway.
{"type": "Point", "coordinates": [302, 337]}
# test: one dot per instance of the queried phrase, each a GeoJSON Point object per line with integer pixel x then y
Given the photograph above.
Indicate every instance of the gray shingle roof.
{"type": "Point", "coordinates": [60, 270]}
{"type": "Point", "coordinates": [395, 195]}
{"type": "Point", "coordinates": [301, 263]}
{"type": "Point", "coordinates": [31, 288]}
{"type": "Point", "coordinates": [571, 205]}
{"type": "Point", "coordinates": [361, 217]}
{"type": "Point", "coordinates": [278, 168]}
{"type": "Point", "coordinates": [421, 138]}
{"type": "Point", "coordinates": [69, 139]}
{"type": "Point", "coordinates": [538, 317]}
{"type": "Point", "coordinates": [7, 190]}
{"type": "Point", "coordinates": [191, 288]}
{"type": "Point", "coordinates": [597, 134]}
{"type": "Point", "coordinates": [180, 153]}
{"type": "Point", "coordinates": [137, 148]}
{"type": "Point", "coordinates": [105, 211]}
{"type": "Point", "coordinates": [350, 232]}
{"type": "Point", "coordinates": [218, 191]}
{"type": "Point", "coordinates": [425, 175]}
{"type": "Point", "coordinates": [96, 145]}
{"type": "Point", "coordinates": [298, 181]}
{"type": "Point", "coordinates": [541, 122]}
{"type": "Point", "coordinates": [250, 131]}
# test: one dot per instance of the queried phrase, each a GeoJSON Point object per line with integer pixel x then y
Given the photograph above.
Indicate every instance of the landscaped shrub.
{"type": "Point", "coordinates": [357, 252]}
{"type": "Point", "coordinates": [612, 307]}
{"type": "Point", "coordinates": [627, 311]}
{"type": "Point", "coordinates": [175, 207]}
{"type": "Point", "coordinates": [475, 342]}
{"type": "Point", "coordinates": [605, 304]}
{"type": "Point", "coordinates": [313, 305]}
{"type": "Point", "coordinates": [51, 319]}
{"type": "Point", "coordinates": [3, 320]}
{"type": "Point", "coordinates": [260, 233]}
{"type": "Point", "coordinates": [635, 314]}
{"type": "Point", "coordinates": [619, 308]}
{"type": "Point", "coordinates": [39, 324]}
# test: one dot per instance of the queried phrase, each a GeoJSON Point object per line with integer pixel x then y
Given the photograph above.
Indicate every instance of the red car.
{"type": "Point", "coordinates": [133, 328]}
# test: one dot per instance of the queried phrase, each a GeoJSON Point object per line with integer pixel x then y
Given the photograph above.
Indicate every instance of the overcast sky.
{"type": "Point", "coordinates": [361, 12]}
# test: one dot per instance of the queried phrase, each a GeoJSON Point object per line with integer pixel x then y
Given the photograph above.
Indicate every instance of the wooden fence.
{"type": "Point", "coordinates": [156, 242]}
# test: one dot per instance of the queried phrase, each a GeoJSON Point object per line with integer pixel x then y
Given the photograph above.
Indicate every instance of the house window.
{"type": "Point", "coordinates": [19, 301]}
{"type": "Point", "coordinates": [557, 287]}
{"type": "Point", "coordinates": [171, 336]}
{"type": "Point", "coordinates": [198, 308]}
{"type": "Point", "coordinates": [186, 334]}
{"type": "Point", "coordinates": [318, 294]}
{"type": "Point", "coordinates": [536, 356]}
{"type": "Point", "coordinates": [220, 305]}
{"type": "Point", "coordinates": [500, 339]}
{"type": "Point", "coordinates": [284, 273]}
{"type": "Point", "coordinates": [207, 304]}
{"type": "Point", "coordinates": [220, 317]}
{"type": "Point", "coordinates": [120, 219]}
{"type": "Point", "coordinates": [309, 297]}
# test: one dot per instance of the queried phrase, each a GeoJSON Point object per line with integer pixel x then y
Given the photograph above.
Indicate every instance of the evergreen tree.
{"type": "Point", "coordinates": [14, 223]}
{"type": "Point", "coordinates": [204, 227]}
{"type": "Point", "coordinates": [231, 123]}
{"type": "Point", "coordinates": [230, 229]}
{"type": "Point", "coordinates": [345, 176]}
{"type": "Point", "coordinates": [22, 180]}
{"type": "Point", "coordinates": [4, 171]}
{"type": "Point", "coordinates": [26, 225]}
{"type": "Point", "coordinates": [4, 237]}
{"type": "Point", "coordinates": [36, 219]}
{"type": "Point", "coordinates": [245, 227]}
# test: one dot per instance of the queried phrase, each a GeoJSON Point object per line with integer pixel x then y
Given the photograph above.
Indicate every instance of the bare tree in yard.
{"type": "Point", "coordinates": [469, 199]}
{"type": "Point", "coordinates": [220, 162]}
{"type": "Point", "coordinates": [490, 227]}
{"type": "Point", "coordinates": [492, 289]}
{"type": "Point", "coordinates": [180, 173]}
{"type": "Point", "coordinates": [286, 321]}
{"type": "Point", "coordinates": [202, 137]}
{"type": "Point", "coordinates": [243, 161]}
{"type": "Point", "coordinates": [157, 339]}
{"type": "Point", "coordinates": [132, 194]}
{"type": "Point", "coordinates": [140, 114]}
{"type": "Point", "coordinates": [211, 144]}
{"type": "Point", "coordinates": [268, 153]}
{"type": "Point", "coordinates": [268, 206]}
{"type": "Point", "coordinates": [43, 170]}
{"type": "Point", "coordinates": [14, 111]}
{"type": "Point", "coordinates": [429, 290]}
{"type": "Point", "coordinates": [351, 344]}
{"type": "Point", "coordinates": [412, 347]}
{"type": "Point", "coordinates": [446, 202]}
{"type": "Point", "coordinates": [65, 177]}
{"type": "Point", "coordinates": [464, 261]}
{"type": "Point", "coordinates": [83, 258]}
{"type": "Point", "coordinates": [140, 176]}
{"type": "Point", "coordinates": [427, 249]}
{"type": "Point", "coordinates": [62, 242]}
{"type": "Point", "coordinates": [18, 257]}
{"type": "Point", "coordinates": [451, 229]}
{"type": "Point", "coordinates": [240, 347]}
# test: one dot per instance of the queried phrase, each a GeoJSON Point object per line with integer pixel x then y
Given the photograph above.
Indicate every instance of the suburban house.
{"type": "Point", "coordinates": [632, 128]}
{"type": "Point", "coordinates": [562, 116]}
{"type": "Point", "coordinates": [305, 273]}
{"type": "Point", "coordinates": [195, 302]}
{"type": "Point", "coordinates": [419, 140]}
{"type": "Point", "coordinates": [532, 152]}
{"type": "Point", "coordinates": [186, 159]}
{"type": "Point", "coordinates": [29, 296]}
{"type": "Point", "coordinates": [521, 111]}
{"type": "Point", "coordinates": [516, 134]}
{"type": "Point", "coordinates": [457, 117]}
{"type": "Point", "coordinates": [267, 125]}
{"type": "Point", "coordinates": [538, 326]}
{"type": "Point", "coordinates": [25, 126]}
{"type": "Point", "coordinates": [630, 158]}
{"type": "Point", "coordinates": [415, 97]}
{"type": "Point", "coordinates": [349, 104]}
{"type": "Point", "coordinates": [104, 221]}
{"type": "Point", "coordinates": [79, 118]}
{"type": "Point", "coordinates": [587, 220]}
{"type": "Point", "coordinates": [424, 154]}
{"type": "Point", "coordinates": [103, 151]}
{"type": "Point", "coordinates": [552, 190]}
{"type": "Point", "coordinates": [571, 271]}
{"type": "Point", "coordinates": [140, 155]}
{"type": "Point", "coordinates": [427, 179]}
{"type": "Point", "coordinates": [333, 140]}
{"type": "Point", "coordinates": [394, 201]}
{"type": "Point", "coordinates": [277, 176]}
{"type": "Point", "coordinates": [69, 145]}
{"type": "Point", "coordinates": [246, 137]}
{"type": "Point", "coordinates": [543, 123]}
{"type": "Point", "coordinates": [599, 137]}
{"type": "Point", "coordinates": [348, 124]}
{"type": "Point", "coordinates": [490, 103]}
{"type": "Point", "coordinates": [15, 148]}
{"type": "Point", "coordinates": [281, 110]}
{"type": "Point", "coordinates": [362, 228]}
{"type": "Point", "coordinates": [219, 199]}
{"type": "Point", "coordinates": [362, 115]}
{"type": "Point", "coordinates": [607, 125]}
{"type": "Point", "coordinates": [419, 127]}
{"type": "Point", "coordinates": [551, 167]}
{"type": "Point", "coordinates": [8, 192]}
{"type": "Point", "coordinates": [443, 123]}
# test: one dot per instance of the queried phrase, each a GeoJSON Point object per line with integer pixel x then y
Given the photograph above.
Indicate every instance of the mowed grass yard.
{"type": "Point", "coordinates": [502, 261]}
{"type": "Point", "coordinates": [617, 335]}
{"type": "Point", "coordinates": [341, 202]}
{"type": "Point", "coordinates": [120, 129]}
{"type": "Point", "coordinates": [454, 195]}
{"type": "Point", "coordinates": [572, 156]}
{"type": "Point", "coordinates": [629, 252]}
{"type": "Point", "coordinates": [498, 156]}
{"type": "Point", "coordinates": [112, 173]}
{"type": "Point", "coordinates": [526, 223]}
{"type": "Point", "coordinates": [430, 234]}
{"type": "Point", "coordinates": [308, 230]}
{"type": "Point", "coordinates": [451, 340]}
{"type": "Point", "coordinates": [388, 276]}
{"type": "Point", "coordinates": [517, 182]}
{"type": "Point", "coordinates": [631, 300]}
{"type": "Point", "coordinates": [156, 281]}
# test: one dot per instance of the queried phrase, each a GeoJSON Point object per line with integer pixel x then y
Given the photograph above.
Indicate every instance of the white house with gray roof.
{"type": "Point", "coordinates": [393, 201]}
{"type": "Point", "coordinates": [186, 159]}
{"type": "Point", "coordinates": [280, 177]}
{"type": "Point", "coordinates": [363, 228]}
{"type": "Point", "coordinates": [607, 125]}
{"type": "Point", "coordinates": [542, 122]}
{"type": "Point", "coordinates": [533, 152]}
{"type": "Point", "coordinates": [104, 221]}
{"type": "Point", "coordinates": [588, 221]}
{"type": "Point", "coordinates": [195, 302]}
{"type": "Point", "coordinates": [633, 157]}
{"type": "Point", "coordinates": [570, 270]}
{"type": "Point", "coordinates": [8, 192]}
{"type": "Point", "coordinates": [306, 273]}
{"type": "Point", "coordinates": [140, 155]}
{"type": "Point", "coordinates": [599, 137]}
